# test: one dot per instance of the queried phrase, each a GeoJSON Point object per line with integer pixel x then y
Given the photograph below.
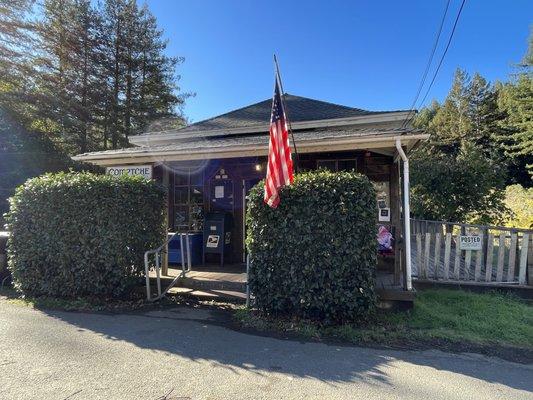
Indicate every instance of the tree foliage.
{"type": "Point", "coordinates": [87, 75]}
{"type": "Point", "coordinates": [460, 174]}
{"type": "Point", "coordinates": [78, 76]}
{"type": "Point", "coordinates": [481, 140]}
{"type": "Point", "coordinates": [25, 154]}
{"type": "Point", "coordinates": [520, 201]}
{"type": "Point", "coordinates": [516, 102]}
{"type": "Point", "coordinates": [462, 186]}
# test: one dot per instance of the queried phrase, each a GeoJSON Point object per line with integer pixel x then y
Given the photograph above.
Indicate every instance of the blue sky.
{"type": "Point", "coordinates": [367, 54]}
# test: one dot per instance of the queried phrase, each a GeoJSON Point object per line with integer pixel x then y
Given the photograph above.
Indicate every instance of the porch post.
{"type": "Point", "coordinates": [164, 268]}
{"type": "Point", "coordinates": [406, 215]}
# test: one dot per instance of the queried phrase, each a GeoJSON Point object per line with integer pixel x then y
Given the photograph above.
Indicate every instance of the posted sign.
{"type": "Point", "coordinates": [137, 170]}
{"type": "Point", "coordinates": [469, 242]}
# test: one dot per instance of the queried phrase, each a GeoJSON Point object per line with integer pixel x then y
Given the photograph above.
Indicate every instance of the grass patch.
{"type": "Point", "coordinates": [77, 304]}
{"type": "Point", "coordinates": [450, 316]}
{"type": "Point", "coordinates": [478, 318]}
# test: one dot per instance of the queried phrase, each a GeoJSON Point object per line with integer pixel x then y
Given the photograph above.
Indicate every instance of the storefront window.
{"type": "Point", "coordinates": [188, 201]}
{"type": "Point", "coordinates": [337, 165]}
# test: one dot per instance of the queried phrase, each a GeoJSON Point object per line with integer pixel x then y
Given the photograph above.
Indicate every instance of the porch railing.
{"type": "Point", "coordinates": [158, 257]}
{"type": "Point", "coordinates": [505, 257]}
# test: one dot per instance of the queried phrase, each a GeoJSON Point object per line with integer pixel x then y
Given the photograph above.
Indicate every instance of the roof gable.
{"type": "Point", "coordinates": [299, 109]}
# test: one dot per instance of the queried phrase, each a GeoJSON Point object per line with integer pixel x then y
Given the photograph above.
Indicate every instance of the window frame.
{"type": "Point", "coordinates": [336, 161]}
{"type": "Point", "coordinates": [189, 205]}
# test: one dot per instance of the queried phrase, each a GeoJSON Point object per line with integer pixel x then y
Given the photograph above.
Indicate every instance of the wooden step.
{"type": "Point", "coordinates": [208, 294]}
{"type": "Point", "coordinates": [211, 284]}
{"type": "Point", "coordinates": [203, 280]}
{"type": "Point", "coordinates": [202, 284]}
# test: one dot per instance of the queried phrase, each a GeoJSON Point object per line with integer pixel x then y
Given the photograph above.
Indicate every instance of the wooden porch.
{"type": "Point", "coordinates": [210, 282]}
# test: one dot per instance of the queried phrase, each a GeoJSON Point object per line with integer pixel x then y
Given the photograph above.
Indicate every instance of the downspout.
{"type": "Point", "coordinates": [406, 215]}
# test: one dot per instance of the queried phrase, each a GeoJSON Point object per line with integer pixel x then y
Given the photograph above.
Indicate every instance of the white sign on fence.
{"type": "Point", "coordinates": [139, 170]}
{"type": "Point", "coordinates": [470, 242]}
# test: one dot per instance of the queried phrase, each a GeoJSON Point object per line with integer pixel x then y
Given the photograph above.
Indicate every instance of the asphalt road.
{"type": "Point", "coordinates": [192, 354]}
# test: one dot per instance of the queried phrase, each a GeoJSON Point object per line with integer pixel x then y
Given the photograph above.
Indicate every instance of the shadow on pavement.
{"type": "Point", "coordinates": [203, 334]}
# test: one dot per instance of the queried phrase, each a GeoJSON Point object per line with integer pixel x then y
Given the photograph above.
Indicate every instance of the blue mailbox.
{"type": "Point", "coordinates": [217, 234]}
{"type": "Point", "coordinates": [195, 244]}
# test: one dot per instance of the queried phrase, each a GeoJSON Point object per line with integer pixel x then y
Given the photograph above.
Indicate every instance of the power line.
{"type": "Point", "coordinates": [430, 60]}
{"type": "Point", "coordinates": [442, 57]}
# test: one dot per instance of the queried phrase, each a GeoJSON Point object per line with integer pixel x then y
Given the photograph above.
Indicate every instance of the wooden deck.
{"type": "Point", "coordinates": [230, 282]}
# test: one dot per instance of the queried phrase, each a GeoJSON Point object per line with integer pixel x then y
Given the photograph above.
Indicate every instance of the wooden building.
{"type": "Point", "coordinates": [212, 164]}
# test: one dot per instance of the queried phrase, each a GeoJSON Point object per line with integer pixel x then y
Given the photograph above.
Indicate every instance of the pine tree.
{"type": "Point", "coordinates": [451, 123]}
{"type": "Point", "coordinates": [113, 15]}
{"type": "Point", "coordinates": [87, 25]}
{"type": "Point", "coordinates": [515, 100]}
{"type": "Point", "coordinates": [484, 116]}
{"type": "Point", "coordinates": [17, 41]}
{"type": "Point", "coordinates": [459, 174]}
{"type": "Point", "coordinates": [101, 74]}
{"type": "Point", "coordinates": [157, 75]}
{"type": "Point", "coordinates": [142, 79]}
{"type": "Point", "coordinates": [69, 78]}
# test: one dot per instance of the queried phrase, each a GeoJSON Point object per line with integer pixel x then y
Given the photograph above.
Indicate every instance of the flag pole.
{"type": "Point", "coordinates": [278, 77]}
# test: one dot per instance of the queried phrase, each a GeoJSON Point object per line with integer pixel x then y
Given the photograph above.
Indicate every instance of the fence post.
{"type": "Point", "coordinates": [427, 245]}
{"type": "Point", "coordinates": [485, 240]}
{"type": "Point", "coordinates": [447, 252]}
{"type": "Point", "coordinates": [468, 260]}
{"type": "Point", "coordinates": [437, 255]}
{"type": "Point", "coordinates": [512, 257]}
{"type": "Point", "coordinates": [501, 257]}
{"type": "Point", "coordinates": [523, 264]}
{"type": "Point", "coordinates": [457, 264]}
{"type": "Point", "coordinates": [530, 260]}
{"type": "Point", "coordinates": [419, 265]}
{"type": "Point", "coordinates": [479, 262]}
{"type": "Point", "coordinates": [489, 257]}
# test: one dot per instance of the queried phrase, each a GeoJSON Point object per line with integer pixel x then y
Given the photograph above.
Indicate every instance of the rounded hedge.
{"type": "Point", "coordinates": [82, 234]}
{"type": "Point", "coordinates": [315, 255]}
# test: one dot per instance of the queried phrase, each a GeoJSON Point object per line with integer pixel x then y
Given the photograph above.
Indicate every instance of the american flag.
{"type": "Point", "coordinates": [279, 170]}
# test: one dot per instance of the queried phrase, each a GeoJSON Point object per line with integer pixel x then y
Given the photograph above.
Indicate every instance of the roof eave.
{"type": "Point", "coordinates": [173, 136]}
{"type": "Point", "coordinates": [378, 141]}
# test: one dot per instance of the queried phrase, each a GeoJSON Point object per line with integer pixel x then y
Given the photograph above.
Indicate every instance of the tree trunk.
{"type": "Point", "coordinates": [116, 88]}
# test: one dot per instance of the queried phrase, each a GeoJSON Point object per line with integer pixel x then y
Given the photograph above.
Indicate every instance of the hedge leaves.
{"type": "Point", "coordinates": [315, 255]}
{"type": "Point", "coordinates": [82, 234]}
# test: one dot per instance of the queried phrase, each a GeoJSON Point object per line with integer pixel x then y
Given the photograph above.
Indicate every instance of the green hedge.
{"type": "Point", "coordinates": [82, 234]}
{"type": "Point", "coordinates": [315, 255]}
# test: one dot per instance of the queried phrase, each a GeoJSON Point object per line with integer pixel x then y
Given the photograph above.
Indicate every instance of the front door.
{"type": "Point", "coordinates": [247, 184]}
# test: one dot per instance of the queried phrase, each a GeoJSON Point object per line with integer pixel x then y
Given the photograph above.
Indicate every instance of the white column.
{"type": "Point", "coordinates": [406, 215]}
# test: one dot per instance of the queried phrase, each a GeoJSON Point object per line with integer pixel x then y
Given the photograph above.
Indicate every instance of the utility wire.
{"type": "Point", "coordinates": [442, 58]}
{"type": "Point", "coordinates": [430, 60]}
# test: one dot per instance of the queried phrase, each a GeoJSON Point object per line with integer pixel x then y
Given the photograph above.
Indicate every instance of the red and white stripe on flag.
{"type": "Point", "coordinates": [279, 169]}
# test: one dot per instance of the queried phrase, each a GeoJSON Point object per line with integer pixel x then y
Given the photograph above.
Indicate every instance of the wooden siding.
{"type": "Point", "coordinates": [377, 167]}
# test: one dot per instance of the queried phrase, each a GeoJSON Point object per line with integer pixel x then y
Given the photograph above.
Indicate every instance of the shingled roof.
{"type": "Point", "coordinates": [318, 126]}
{"type": "Point", "coordinates": [258, 139]}
{"type": "Point", "coordinates": [299, 109]}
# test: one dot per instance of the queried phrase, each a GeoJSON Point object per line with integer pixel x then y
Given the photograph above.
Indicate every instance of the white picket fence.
{"type": "Point", "coordinates": [505, 257]}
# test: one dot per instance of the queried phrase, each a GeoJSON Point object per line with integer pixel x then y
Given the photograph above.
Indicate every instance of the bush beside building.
{"type": "Point", "coordinates": [315, 255]}
{"type": "Point", "coordinates": [82, 234]}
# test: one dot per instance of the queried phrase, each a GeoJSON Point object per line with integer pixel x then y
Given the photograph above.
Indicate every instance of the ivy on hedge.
{"type": "Point", "coordinates": [315, 255]}
{"type": "Point", "coordinates": [79, 234]}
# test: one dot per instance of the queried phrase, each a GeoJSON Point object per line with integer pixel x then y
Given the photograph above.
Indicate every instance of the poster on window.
{"type": "Point", "coordinates": [382, 194]}
{"type": "Point", "coordinates": [385, 239]}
